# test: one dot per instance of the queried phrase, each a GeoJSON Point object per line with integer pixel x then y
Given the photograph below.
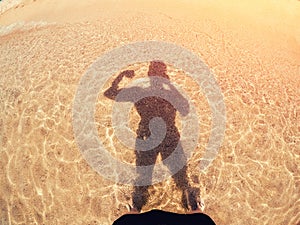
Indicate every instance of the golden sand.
{"type": "Point", "coordinates": [254, 52]}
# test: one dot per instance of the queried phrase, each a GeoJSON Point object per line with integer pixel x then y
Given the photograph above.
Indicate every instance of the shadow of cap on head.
{"type": "Point", "coordinates": [158, 68]}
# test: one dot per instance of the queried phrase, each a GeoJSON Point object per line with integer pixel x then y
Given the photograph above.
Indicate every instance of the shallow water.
{"type": "Point", "coordinates": [44, 178]}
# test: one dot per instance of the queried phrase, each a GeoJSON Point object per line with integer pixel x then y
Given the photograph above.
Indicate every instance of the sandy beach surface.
{"type": "Point", "coordinates": [253, 49]}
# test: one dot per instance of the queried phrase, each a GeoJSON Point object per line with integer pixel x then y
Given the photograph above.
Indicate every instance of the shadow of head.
{"type": "Point", "coordinates": [158, 68]}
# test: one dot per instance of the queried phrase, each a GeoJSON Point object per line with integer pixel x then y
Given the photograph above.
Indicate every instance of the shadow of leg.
{"type": "Point", "coordinates": [193, 198]}
{"type": "Point", "coordinates": [140, 197]}
{"type": "Point", "coordinates": [145, 161]}
{"type": "Point", "coordinates": [190, 195]}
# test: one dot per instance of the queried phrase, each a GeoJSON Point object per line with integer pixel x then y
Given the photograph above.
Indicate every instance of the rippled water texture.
{"type": "Point", "coordinates": [43, 176]}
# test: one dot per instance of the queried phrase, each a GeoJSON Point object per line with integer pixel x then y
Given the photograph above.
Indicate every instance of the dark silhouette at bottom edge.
{"type": "Point", "coordinates": [159, 217]}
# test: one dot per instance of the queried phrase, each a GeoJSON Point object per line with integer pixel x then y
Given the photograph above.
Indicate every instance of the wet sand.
{"type": "Point", "coordinates": [254, 52]}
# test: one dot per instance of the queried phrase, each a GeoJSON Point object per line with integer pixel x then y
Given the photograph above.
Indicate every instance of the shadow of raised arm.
{"type": "Point", "coordinates": [114, 90]}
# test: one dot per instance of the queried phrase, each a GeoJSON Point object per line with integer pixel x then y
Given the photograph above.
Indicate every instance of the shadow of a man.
{"type": "Point", "coordinates": [150, 107]}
